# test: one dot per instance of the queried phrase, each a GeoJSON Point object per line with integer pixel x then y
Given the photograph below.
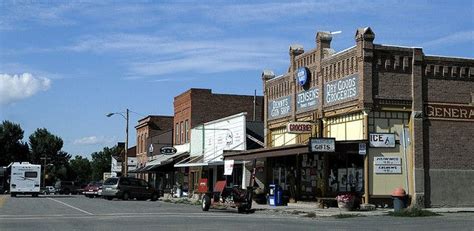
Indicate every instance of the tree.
{"type": "Point", "coordinates": [81, 169]}
{"type": "Point", "coordinates": [11, 147]}
{"type": "Point", "coordinates": [43, 144]}
{"type": "Point", "coordinates": [101, 162]}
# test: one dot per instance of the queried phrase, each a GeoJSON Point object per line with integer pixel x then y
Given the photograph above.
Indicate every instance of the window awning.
{"type": "Point", "coordinates": [288, 150]}
{"type": "Point", "coordinates": [164, 159]}
{"type": "Point", "coordinates": [192, 161]}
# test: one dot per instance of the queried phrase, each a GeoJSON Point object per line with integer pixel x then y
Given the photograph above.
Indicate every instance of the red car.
{"type": "Point", "coordinates": [92, 189]}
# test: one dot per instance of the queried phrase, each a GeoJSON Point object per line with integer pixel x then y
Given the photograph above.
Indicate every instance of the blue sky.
{"type": "Point", "coordinates": [65, 64]}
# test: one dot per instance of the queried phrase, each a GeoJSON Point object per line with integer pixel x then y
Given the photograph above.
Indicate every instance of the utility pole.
{"type": "Point", "coordinates": [44, 159]}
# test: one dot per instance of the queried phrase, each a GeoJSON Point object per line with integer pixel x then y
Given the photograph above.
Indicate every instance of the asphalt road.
{"type": "Point", "coordinates": [81, 213]}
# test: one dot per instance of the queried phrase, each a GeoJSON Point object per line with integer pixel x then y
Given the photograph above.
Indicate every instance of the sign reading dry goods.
{"type": "Point", "coordinates": [299, 127]}
{"type": "Point", "coordinates": [307, 100]}
{"type": "Point", "coordinates": [341, 90]}
{"type": "Point", "coordinates": [382, 140]}
{"type": "Point", "coordinates": [322, 145]}
{"type": "Point", "coordinates": [449, 112]}
{"type": "Point", "coordinates": [279, 108]}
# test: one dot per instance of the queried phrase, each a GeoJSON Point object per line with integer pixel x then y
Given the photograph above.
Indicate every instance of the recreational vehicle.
{"type": "Point", "coordinates": [25, 178]}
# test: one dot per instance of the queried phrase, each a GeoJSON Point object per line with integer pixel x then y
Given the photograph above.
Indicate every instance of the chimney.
{"type": "Point", "coordinates": [295, 50]}
{"type": "Point", "coordinates": [323, 40]}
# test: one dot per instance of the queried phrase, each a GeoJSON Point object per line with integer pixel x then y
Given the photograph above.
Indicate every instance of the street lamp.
{"type": "Point", "coordinates": [125, 159]}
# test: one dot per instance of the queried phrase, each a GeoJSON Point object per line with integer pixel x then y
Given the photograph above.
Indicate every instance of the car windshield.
{"type": "Point", "coordinates": [111, 181]}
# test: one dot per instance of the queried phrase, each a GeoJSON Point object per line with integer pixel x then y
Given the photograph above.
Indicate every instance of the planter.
{"type": "Point", "coordinates": [345, 205]}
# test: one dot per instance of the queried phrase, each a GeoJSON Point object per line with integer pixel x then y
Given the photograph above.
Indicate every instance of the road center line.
{"type": "Point", "coordinates": [70, 206]}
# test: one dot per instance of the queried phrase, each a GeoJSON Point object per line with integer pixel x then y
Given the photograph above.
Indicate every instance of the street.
{"type": "Point", "coordinates": [75, 212]}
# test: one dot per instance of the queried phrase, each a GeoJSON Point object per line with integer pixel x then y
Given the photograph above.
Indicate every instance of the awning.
{"type": "Point", "coordinates": [192, 161]}
{"type": "Point", "coordinates": [164, 159]}
{"type": "Point", "coordinates": [288, 150]}
{"type": "Point", "coordinates": [140, 169]}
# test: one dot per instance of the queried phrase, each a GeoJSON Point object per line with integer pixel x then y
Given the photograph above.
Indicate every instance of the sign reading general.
{"type": "Point", "coordinates": [449, 112]}
{"type": "Point", "coordinates": [341, 90]}
{"type": "Point", "coordinates": [299, 127]}
{"type": "Point", "coordinates": [382, 140]}
{"type": "Point", "coordinates": [279, 108]}
{"type": "Point", "coordinates": [322, 145]}
{"type": "Point", "coordinates": [307, 100]}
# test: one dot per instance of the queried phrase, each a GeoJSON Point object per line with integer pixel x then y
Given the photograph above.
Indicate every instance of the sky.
{"type": "Point", "coordinates": [65, 64]}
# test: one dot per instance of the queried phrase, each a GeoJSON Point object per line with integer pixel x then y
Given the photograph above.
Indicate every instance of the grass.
{"type": "Point", "coordinates": [310, 215]}
{"type": "Point", "coordinates": [413, 212]}
{"type": "Point", "coordinates": [346, 215]}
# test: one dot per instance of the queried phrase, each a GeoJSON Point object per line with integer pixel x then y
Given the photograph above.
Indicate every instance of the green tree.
{"type": "Point", "coordinates": [43, 144]}
{"type": "Point", "coordinates": [101, 162]}
{"type": "Point", "coordinates": [11, 147]}
{"type": "Point", "coordinates": [81, 168]}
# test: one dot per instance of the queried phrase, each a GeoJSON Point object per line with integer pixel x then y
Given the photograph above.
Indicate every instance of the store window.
{"type": "Point", "coordinates": [176, 136]}
{"type": "Point", "coordinates": [182, 132]}
{"type": "Point", "coordinates": [186, 130]}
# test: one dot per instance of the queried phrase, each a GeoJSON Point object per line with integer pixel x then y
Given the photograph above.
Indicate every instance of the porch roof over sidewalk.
{"type": "Point", "coordinates": [288, 150]}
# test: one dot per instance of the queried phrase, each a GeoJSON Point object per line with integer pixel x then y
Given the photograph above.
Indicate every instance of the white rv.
{"type": "Point", "coordinates": [25, 178]}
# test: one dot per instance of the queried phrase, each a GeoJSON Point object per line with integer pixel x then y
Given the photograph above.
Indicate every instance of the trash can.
{"type": "Point", "coordinates": [399, 199]}
{"type": "Point", "coordinates": [275, 195]}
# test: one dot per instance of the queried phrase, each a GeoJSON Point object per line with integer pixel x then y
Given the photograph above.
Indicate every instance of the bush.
{"type": "Point", "coordinates": [413, 212]}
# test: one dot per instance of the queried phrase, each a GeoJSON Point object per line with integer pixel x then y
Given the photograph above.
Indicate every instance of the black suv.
{"type": "Point", "coordinates": [129, 188]}
{"type": "Point", "coordinates": [67, 187]}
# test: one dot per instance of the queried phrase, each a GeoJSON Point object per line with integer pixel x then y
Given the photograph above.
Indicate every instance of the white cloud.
{"type": "Point", "coordinates": [453, 38]}
{"type": "Point", "coordinates": [93, 140]}
{"type": "Point", "coordinates": [17, 87]}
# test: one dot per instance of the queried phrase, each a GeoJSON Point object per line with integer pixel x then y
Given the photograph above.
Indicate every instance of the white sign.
{"type": "Point", "coordinates": [388, 169]}
{"type": "Point", "coordinates": [382, 140]}
{"type": "Point", "coordinates": [362, 149]}
{"type": "Point", "coordinates": [223, 134]}
{"type": "Point", "coordinates": [387, 160]}
{"type": "Point", "coordinates": [322, 145]}
{"type": "Point", "coordinates": [228, 167]}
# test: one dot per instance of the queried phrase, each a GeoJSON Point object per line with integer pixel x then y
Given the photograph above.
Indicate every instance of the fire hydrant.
{"type": "Point", "coordinates": [399, 199]}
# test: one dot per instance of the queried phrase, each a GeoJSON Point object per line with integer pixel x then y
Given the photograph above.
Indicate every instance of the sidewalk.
{"type": "Point", "coordinates": [311, 209]}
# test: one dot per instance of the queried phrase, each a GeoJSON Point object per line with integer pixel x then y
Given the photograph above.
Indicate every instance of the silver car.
{"type": "Point", "coordinates": [127, 188]}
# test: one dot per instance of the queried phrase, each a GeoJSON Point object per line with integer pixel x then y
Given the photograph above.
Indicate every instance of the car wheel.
{"type": "Point", "coordinates": [125, 196]}
{"type": "Point", "coordinates": [154, 197]}
{"type": "Point", "coordinates": [67, 191]}
{"type": "Point", "coordinates": [13, 194]}
{"type": "Point", "coordinates": [206, 203]}
{"type": "Point", "coordinates": [109, 198]}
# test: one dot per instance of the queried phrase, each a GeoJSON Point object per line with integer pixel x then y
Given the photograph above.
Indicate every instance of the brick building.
{"type": "Point", "coordinates": [198, 106]}
{"type": "Point", "coordinates": [384, 117]}
{"type": "Point", "coordinates": [153, 132]}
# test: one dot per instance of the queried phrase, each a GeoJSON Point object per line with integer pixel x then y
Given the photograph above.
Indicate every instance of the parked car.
{"type": "Point", "coordinates": [67, 187]}
{"type": "Point", "coordinates": [92, 189]}
{"type": "Point", "coordinates": [48, 190]}
{"type": "Point", "coordinates": [127, 188]}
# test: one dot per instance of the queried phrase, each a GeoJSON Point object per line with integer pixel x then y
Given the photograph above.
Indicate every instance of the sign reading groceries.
{"type": "Point", "coordinates": [382, 140]}
{"type": "Point", "coordinates": [299, 127]}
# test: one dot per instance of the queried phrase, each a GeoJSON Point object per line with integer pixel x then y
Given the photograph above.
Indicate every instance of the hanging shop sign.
{"type": "Point", "coordinates": [302, 76]}
{"type": "Point", "coordinates": [341, 90]}
{"type": "Point", "coordinates": [449, 112]}
{"type": "Point", "coordinates": [168, 150]}
{"type": "Point", "coordinates": [322, 145]}
{"type": "Point", "coordinates": [228, 167]}
{"type": "Point", "coordinates": [382, 140]}
{"type": "Point", "coordinates": [388, 169]}
{"type": "Point", "coordinates": [299, 127]}
{"type": "Point", "coordinates": [279, 108]}
{"type": "Point", "coordinates": [307, 100]}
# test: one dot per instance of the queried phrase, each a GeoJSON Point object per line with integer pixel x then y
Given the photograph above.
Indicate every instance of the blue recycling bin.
{"type": "Point", "coordinates": [275, 195]}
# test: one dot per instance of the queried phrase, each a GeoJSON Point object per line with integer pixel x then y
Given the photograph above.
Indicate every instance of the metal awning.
{"type": "Point", "coordinates": [140, 169]}
{"type": "Point", "coordinates": [288, 150]}
{"type": "Point", "coordinates": [164, 159]}
{"type": "Point", "coordinates": [192, 161]}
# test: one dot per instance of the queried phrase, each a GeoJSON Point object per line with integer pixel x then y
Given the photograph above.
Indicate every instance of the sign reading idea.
{"type": "Point", "coordinates": [279, 108]}
{"type": "Point", "coordinates": [322, 145]}
{"type": "Point", "coordinates": [341, 90]}
{"type": "Point", "coordinates": [307, 100]}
